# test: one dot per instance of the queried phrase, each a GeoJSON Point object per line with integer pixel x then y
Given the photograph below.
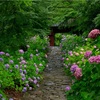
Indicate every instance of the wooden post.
{"type": "Point", "coordinates": [51, 40]}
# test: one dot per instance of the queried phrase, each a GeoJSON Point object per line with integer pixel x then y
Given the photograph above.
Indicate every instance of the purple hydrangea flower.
{"type": "Point", "coordinates": [7, 54]}
{"type": "Point", "coordinates": [24, 89]}
{"type": "Point", "coordinates": [31, 56]}
{"type": "Point", "coordinates": [37, 70]}
{"type": "Point", "coordinates": [16, 66]}
{"type": "Point", "coordinates": [2, 53]}
{"type": "Point", "coordinates": [30, 79]}
{"type": "Point", "coordinates": [37, 54]}
{"type": "Point", "coordinates": [1, 59]}
{"type": "Point", "coordinates": [35, 81]}
{"type": "Point", "coordinates": [24, 71]}
{"type": "Point", "coordinates": [73, 68]}
{"type": "Point", "coordinates": [27, 85]}
{"type": "Point", "coordinates": [23, 75]}
{"type": "Point", "coordinates": [7, 66]}
{"type": "Point", "coordinates": [11, 61]}
{"type": "Point", "coordinates": [23, 78]}
{"type": "Point", "coordinates": [21, 70]}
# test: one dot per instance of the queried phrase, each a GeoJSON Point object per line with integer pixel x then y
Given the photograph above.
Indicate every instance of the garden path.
{"type": "Point", "coordinates": [54, 79]}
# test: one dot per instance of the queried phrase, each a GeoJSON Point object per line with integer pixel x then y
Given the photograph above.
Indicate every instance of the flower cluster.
{"type": "Point", "coordinates": [94, 59]}
{"type": "Point", "coordinates": [87, 54]}
{"type": "Point", "coordinates": [73, 68]}
{"type": "Point", "coordinates": [70, 53]}
{"type": "Point", "coordinates": [21, 51]}
{"type": "Point", "coordinates": [67, 88]}
{"type": "Point", "coordinates": [1, 59]}
{"type": "Point", "coordinates": [77, 71]}
{"type": "Point", "coordinates": [2, 53]}
{"type": "Point", "coordinates": [94, 33]}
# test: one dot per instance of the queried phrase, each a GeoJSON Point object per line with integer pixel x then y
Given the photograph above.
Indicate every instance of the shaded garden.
{"type": "Point", "coordinates": [24, 45]}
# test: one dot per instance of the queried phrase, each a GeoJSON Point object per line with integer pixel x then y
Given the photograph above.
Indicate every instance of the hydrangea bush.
{"type": "Point", "coordinates": [83, 65]}
{"type": "Point", "coordinates": [23, 70]}
{"type": "Point", "coordinates": [94, 33]}
{"type": "Point", "coordinates": [69, 42]}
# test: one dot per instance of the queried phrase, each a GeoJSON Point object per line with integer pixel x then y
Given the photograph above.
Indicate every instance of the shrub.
{"type": "Point", "coordinates": [88, 59]}
{"type": "Point", "coordinates": [22, 70]}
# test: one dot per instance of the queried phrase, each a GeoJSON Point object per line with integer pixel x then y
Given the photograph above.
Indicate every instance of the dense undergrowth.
{"type": "Point", "coordinates": [82, 63]}
{"type": "Point", "coordinates": [22, 71]}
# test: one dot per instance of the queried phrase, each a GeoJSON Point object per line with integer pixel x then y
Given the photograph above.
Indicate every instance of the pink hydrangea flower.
{"type": "Point", "coordinates": [94, 33]}
{"type": "Point", "coordinates": [21, 51]}
{"type": "Point", "coordinates": [67, 88]}
{"type": "Point", "coordinates": [23, 62]}
{"type": "Point", "coordinates": [94, 59]}
{"type": "Point", "coordinates": [95, 46]}
{"type": "Point", "coordinates": [87, 54]}
{"type": "Point", "coordinates": [7, 54]}
{"type": "Point", "coordinates": [67, 59]}
{"type": "Point", "coordinates": [78, 73]}
{"type": "Point", "coordinates": [70, 53]}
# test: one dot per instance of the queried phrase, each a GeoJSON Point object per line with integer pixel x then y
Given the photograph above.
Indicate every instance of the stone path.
{"type": "Point", "coordinates": [54, 82]}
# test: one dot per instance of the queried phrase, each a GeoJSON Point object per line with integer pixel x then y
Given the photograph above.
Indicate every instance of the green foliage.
{"type": "Point", "coordinates": [14, 24]}
{"type": "Point", "coordinates": [81, 15]}
{"type": "Point", "coordinates": [97, 21]}
{"type": "Point", "coordinates": [58, 38]}
{"type": "Point", "coordinates": [19, 20]}
{"type": "Point", "coordinates": [56, 11]}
